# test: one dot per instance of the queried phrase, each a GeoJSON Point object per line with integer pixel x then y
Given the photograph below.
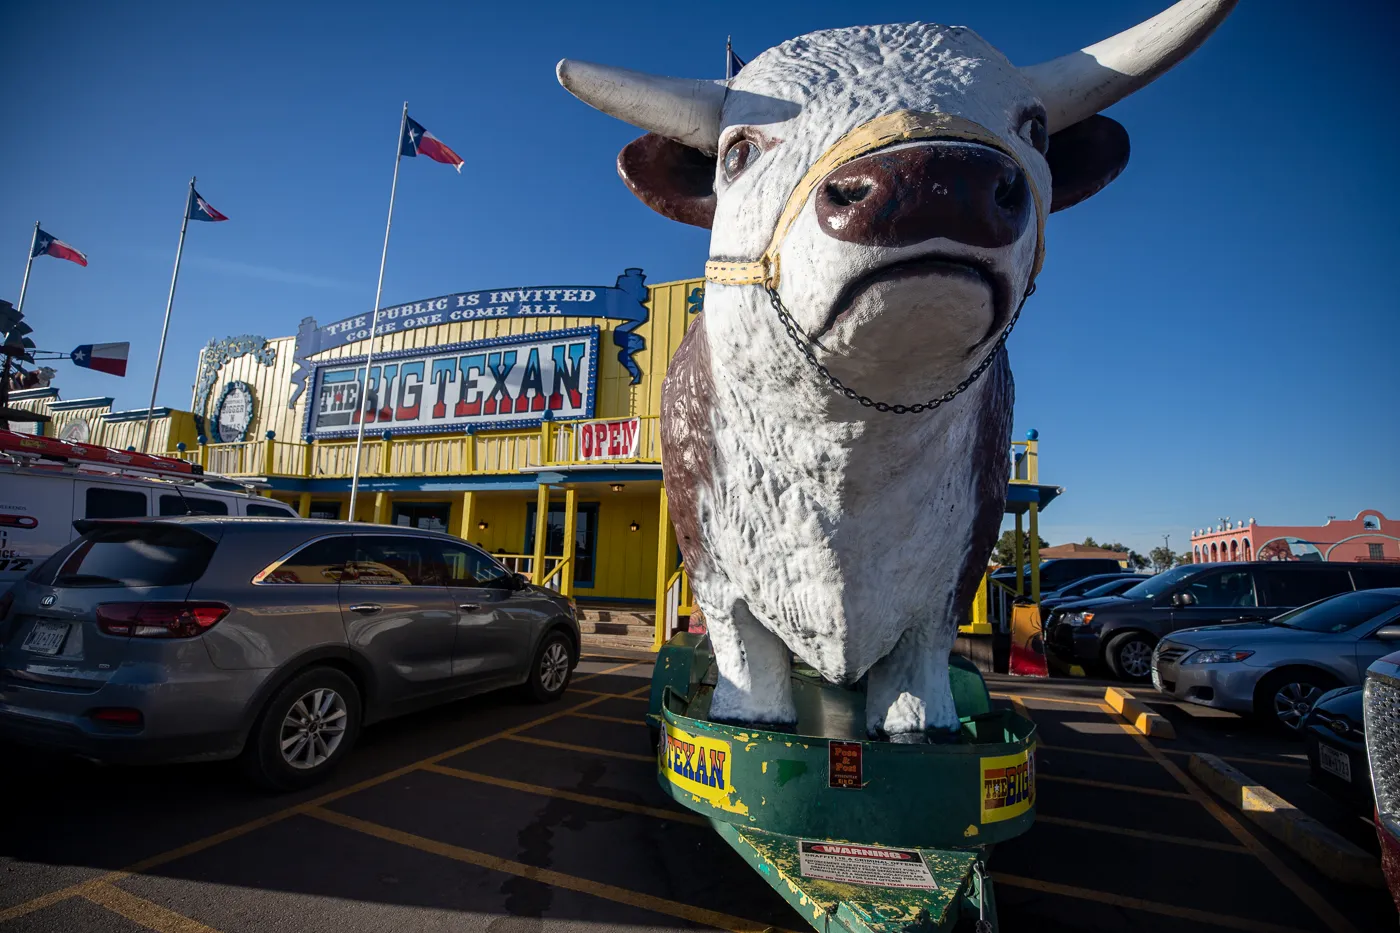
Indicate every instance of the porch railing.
{"type": "Point", "coordinates": [677, 603]}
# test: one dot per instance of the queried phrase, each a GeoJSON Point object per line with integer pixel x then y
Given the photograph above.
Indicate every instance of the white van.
{"type": "Point", "coordinates": [47, 485]}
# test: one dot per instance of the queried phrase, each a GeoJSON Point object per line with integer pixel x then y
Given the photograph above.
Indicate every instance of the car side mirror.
{"type": "Point", "coordinates": [520, 581]}
{"type": "Point", "coordinates": [1184, 598]}
{"type": "Point", "coordinates": [1388, 633]}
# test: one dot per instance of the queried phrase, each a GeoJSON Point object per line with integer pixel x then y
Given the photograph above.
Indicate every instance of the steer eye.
{"type": "Point", "coordinates": [1033, 131]}
{"type": "Point", "coordinates": [738, 157]}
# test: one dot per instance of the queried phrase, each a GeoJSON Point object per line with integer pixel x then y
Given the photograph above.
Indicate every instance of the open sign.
{"type": "Point", "coordinates": [609, 440]}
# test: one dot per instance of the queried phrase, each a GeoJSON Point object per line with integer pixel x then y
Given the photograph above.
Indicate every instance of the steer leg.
{"type": "Point", "coordinates": [755, 671]}
{"type": "Point", "coordinates": [907, 691]}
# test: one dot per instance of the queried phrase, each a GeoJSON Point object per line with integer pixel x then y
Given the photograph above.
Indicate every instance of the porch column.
{"type": "Point", "coordinates": [566, 584]}
{"type": "Point", "coordinates": [665, 548]}
{"type": "Point", "coordinates": [1020, 559]}
{"type": "Point", "coordinates": [381, 508]}
{"type": "Point", "coordinates": [1035, 553]}
{"type": "Point", "coordinates": [541, 532]}
{"type": "Point", "coordinates": [304, 505]}
{"type": "Point", "coordinates": [466, 516]}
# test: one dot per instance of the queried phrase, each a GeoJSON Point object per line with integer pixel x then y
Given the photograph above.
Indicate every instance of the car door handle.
{"type": "Point", "coordinates": [469, 607]}
{"type": "Point", "coordinates": [366, 609]}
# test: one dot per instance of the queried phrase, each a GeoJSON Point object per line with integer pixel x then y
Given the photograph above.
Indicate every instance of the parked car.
{"type": "Point", "coordinates": [46, 485]}
{"type": "Point", "coordinates": [1278, 669]}
{"type": "Point", "coordinates": [1120, 632]}
{"type": "Point", "coordinates": [1059, 572]}
{"type": "Point", "coordinates": [1337, 747]}
{"type": "Point", "coordinates": [203, 638]}
{"type": "Point", "coordinates": [1101, 584]}
{"type": "Point", "coordinates": [1381, 713]}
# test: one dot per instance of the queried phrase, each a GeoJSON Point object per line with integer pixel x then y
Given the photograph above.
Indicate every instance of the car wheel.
{"type": "Point", "coordinates": [304, 731]}
{"type": "Point", "coordinates": [1284, 699]}
{"type": "Point", "coordinates": [1130, 656]}
{"type": "Point", "coordinates": [552, 668]}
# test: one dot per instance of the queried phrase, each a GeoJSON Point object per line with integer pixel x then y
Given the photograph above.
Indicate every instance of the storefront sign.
{"type": "Point", "coordinates": [1008, 786]}
{"type": "Point", "coordinates": [623, 302]}
{"type": "Point", "coordinates": [504, 382]}
{"type": "Point", "coordinates": [234, 413]}
{"type": "Point", "coordinates": [609, 440]}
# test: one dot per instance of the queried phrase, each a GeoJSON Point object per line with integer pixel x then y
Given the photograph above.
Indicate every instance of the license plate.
{"type": "Point", "coordinates": [1334, 761]}
{"type": "Point", "coordinates": [46, 637]}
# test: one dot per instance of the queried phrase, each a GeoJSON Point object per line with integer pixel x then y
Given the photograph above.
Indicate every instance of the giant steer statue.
{"type": "Point", "coordinates": [835, 427]}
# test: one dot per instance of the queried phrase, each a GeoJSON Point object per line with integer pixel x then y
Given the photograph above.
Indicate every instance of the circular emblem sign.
{"type": "Point", "coordinates": [76, 432]}
{"type": "Point", "coordinates": [234, 414]}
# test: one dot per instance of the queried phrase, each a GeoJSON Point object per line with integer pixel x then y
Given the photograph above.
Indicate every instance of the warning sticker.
{"type": "Point", "coordinates": [874, 866]}
{"type": "Point", "coordinates": [1008, 786]}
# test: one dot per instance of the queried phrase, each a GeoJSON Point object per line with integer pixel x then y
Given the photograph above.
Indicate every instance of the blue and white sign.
{"type": "Point", "coordinates": [623, 302]}
{"type": "Point", "coordinates": [505, 382]}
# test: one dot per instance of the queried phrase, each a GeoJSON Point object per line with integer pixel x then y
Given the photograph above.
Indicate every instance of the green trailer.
{"type": "Point", "coordinates": [861, 836]}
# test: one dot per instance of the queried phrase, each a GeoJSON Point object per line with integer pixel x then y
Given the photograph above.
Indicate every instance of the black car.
{"type": "Point", "coordinates": [1059, 572]}
{"type": "Point", "coordinates": [1337, 748]}
{"type": "Point", "coordinates": [1100, 584]}
{"type": "Point", "coordinates": [1121, 631]}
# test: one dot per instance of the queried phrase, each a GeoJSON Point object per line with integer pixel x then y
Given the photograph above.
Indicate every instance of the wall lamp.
{"type": "Point", "coordinates": [617, 487]}
{"type": "Point", "coordinates": [482, 526]}
{"type": "Point", "coordinates": [634, 527]}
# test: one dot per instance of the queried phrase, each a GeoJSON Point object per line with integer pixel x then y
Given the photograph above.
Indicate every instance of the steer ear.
{"type": "Point", "coordinates": [670, 178]}
{"type": "Point", "coordinates": [1084, 157]}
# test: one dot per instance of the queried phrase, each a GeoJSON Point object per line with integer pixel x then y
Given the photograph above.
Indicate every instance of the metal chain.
{"type": "Point", "coordinates": [804, 346]}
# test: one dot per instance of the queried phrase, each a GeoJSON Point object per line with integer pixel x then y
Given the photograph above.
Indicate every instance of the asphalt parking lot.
{"type": "Point", "coordinates": [493, 814]}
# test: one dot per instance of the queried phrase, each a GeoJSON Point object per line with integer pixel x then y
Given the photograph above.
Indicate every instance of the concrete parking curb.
{"type": "Point", "coordinates": [1138, 714]}
{"type": "Point", "coordinates": [1332, 855]}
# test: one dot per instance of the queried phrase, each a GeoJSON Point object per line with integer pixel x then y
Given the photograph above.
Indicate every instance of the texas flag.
{"type": "Point", "coordinates": [103, 357]}
{"type": "Point", "coordinates": [46, 245]}
{"type": "Point", "coordinates": [200, 209]}
{"type": "Point", "coordinates": [417, 140]}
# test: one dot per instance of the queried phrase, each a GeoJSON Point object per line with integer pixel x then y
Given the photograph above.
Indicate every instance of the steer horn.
{"type": "Point", "coordinates": [682, 109]}
{"type": "Point", "coordinates": [1079, 85]}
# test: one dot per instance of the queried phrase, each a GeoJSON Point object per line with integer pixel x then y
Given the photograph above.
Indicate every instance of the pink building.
{"type": "Point", "coordinates": [1369, 536]}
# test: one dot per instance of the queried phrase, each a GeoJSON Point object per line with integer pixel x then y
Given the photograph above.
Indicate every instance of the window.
{"type": "Point", "coordinates": [325, 510]}
{"type": "Point", "coordinates": [585, 538]}
{"type": "Point", "coordinates": [114, 503]}
{"type": "Point", "coordinates": [1371, 523]}
{"type": "Point", "coordinates": [1223, 590]}
{"type": "Point", "coordinates": [1341, 614]}
{"type": "Point", "coordinates": [270, 511]}
{"type": "Point", "coordinates": [1375, 551]}
{"type": "Point", "coordinates": [1372, 577]}
{"type": "Point", "coordinates": [397, 560]}
{"type": "Point", "coordinates": [137, 555]}
{"type": "Point", "coordinates": [1290, 586]}
{"type": "Point", "coordinates": [429, 516]}
{"type": "Point", "coordinates": [181, 504]}
{"type": "Point", "coordinates": [321, 561]}
{"type": "Point", "coordinates": [470, 567]}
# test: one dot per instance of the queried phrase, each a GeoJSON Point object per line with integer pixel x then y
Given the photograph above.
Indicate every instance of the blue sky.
{"type": "Point", "coordinates": [1215, 334]}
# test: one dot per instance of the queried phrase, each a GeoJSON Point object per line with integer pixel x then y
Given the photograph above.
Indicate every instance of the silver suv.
{"type": "Point", "coordinates": [272, 640]}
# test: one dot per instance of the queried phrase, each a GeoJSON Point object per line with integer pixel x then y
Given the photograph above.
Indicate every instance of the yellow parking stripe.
{"type": "Point", "coordinates": [1134, 903]}
{"type": "Point", "coordinates": [1286, 876]}
{"type": "Point", "coordinates": [616, 719]}
{"type": "Point", "coordinates": [676, 816]}
{"type": "Point", "coordinates": [1141, 834]}
{"type": "Point", "coordinates": [613, 696]}
{"type": "Point", "coordinates": [139, 910]}
{"type": "Point", "coordinates": [547, 876]}
{"type": "Point", "coordinates": [1109, 785]}
{"type": "Point", "coordinates": [581, 749]}
{"type": "Point", "coordinates": [199, 845]}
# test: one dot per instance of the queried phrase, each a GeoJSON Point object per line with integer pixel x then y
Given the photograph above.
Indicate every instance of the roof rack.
{"type": "Point", "coordinates": [32, 450]}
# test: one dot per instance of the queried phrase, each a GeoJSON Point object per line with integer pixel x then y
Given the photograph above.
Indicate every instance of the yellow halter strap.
{"type": "Point", "coordinates": [897, 127]}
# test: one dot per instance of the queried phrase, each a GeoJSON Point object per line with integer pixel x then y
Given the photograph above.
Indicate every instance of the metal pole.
{"type": "Point", "coordinates": [374, 320]}
{"type": "Point", "coordinates": [728, 58]}
{"type": "Point", "coordinates": [165, 328]}
{"type": "Point", "coordinates": [27, 266]}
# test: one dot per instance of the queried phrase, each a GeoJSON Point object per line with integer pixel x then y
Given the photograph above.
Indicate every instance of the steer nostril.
{"type": "Point", "coordinates": [1008, 191]}
{"type": "Point", "coordinates": [848, 191]}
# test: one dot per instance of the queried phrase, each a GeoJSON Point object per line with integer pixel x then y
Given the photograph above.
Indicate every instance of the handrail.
{"type": "Point", "coordinates": [554, 580]}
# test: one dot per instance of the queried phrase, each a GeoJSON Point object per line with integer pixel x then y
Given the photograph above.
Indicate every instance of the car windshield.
{"type": "Point", "coordinates": [1161, 583]}
{"type": "Point", "coordinates": [1340, 613]}
{"type": "Point", "coordinates": [1107, 589]}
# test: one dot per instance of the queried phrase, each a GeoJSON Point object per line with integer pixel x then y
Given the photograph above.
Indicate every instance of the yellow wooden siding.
{"type": "Point", "coordinates": [616, 396]}
{"type": "Point", "coordinates": [625, 562]}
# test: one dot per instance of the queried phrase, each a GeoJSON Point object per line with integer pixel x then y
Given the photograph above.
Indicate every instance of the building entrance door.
{"type": "Point", "coordinates": [585, 538]}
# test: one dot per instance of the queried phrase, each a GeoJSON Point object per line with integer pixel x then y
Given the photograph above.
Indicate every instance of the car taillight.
{"type": "Point", "coordinates": [118, 716]}
{"type": "Point", "coordinates": [6, 602]}
{"type": "Point", "coordinates": [159, 620]}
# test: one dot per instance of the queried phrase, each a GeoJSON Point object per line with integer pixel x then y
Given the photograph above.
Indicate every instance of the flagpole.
{"type": "Point", "coordinates": [374, 321]}
{"type": "Point", "coordinates": [728, 58]}
{"type": "Point", "coordinates": [165, 328]}
{"type": "Point", "coordinates": [24, 286]}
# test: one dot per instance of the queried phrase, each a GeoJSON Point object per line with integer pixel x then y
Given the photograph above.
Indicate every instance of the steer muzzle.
{"type": "Point", "coordinates": [961, 191]}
